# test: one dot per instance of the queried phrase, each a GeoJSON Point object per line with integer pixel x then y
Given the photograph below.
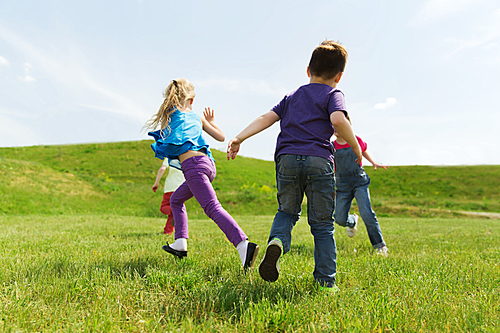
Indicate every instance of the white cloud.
{"type": "Point", "coordinates": [74, 75]}
{"type": "Point", "coordinates": [389, 102]}
{"type": "Point", "coordinates": [27, 77]}
{"type": "Point", "coordinates": [3, 61]}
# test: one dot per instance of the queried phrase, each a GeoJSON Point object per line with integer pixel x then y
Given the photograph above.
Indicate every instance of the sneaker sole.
{"type": "Point", "coordinates": [268, 268]}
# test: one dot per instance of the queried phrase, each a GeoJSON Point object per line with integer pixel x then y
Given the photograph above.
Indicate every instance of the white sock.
{"type": "Point", "coordinates": [180, 244]}
{"type": "Point", "coordinates": [242, 248]}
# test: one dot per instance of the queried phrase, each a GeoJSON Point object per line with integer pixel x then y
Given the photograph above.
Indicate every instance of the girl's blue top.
{"type": "Point", "coordinates": [184, 133]}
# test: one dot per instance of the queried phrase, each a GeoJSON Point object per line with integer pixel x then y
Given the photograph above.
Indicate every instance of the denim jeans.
{"type": "Point", "coordinates": [296, 175]}
{"type": "Point", "coordinates": [355, 185]}
{"type": "Point", "coordinates": [199, 172]}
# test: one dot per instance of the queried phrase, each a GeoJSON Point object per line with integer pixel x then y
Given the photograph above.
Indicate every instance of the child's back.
{"type": "Point", "coordinates": [304, 161]}
{"type": "Point", "coordinates": [305, 123]}
{"type": "Point", "coordinates": [180, 139]}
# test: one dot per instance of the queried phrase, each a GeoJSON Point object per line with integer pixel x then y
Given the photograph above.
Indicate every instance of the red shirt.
{"type": "Point", "coordinates": [362, 145]}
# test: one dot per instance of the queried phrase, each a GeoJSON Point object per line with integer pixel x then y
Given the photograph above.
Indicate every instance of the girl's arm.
{"type": "Point", "coordinates": [343, 127]}
{"type": "Point", "coordinates": [158, 177]}
{"type": "Point", "coordinates": [375, 165]}
{"type": "Point", "coordinates": [256, 126]}
{"type": "Point", "coordinates": [210, 127]}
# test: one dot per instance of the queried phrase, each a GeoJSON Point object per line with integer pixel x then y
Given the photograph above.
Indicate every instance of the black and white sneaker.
{"type": "Point", "coordinates": [176, 253]}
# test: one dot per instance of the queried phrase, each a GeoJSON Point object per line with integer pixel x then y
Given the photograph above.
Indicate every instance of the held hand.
{"type": "Point", "coordinates": [209, 115]}
{"type": "Point", "coordinates": [233, 148]}
{"type": "Point", "coordinates": [359, 155]}
{"type": "Point", "coordinates": [155, 187]}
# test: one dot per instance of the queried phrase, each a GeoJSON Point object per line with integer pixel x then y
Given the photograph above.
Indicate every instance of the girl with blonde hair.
{"type": "Point", "coordinates": [180, 140]}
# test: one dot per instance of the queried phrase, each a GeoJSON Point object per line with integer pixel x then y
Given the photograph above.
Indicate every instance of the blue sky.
{"type": "Point", "coordinates": [421, 83]}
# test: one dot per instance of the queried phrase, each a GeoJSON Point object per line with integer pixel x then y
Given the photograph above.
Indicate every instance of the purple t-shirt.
{"type": "Point", "coordinates": [305, 124]}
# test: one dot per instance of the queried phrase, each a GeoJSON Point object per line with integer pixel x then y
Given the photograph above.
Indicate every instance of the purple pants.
{"type": "Point", "coordinates": [199, 172]}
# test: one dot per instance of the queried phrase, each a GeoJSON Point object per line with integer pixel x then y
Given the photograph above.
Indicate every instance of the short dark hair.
{"type": "Point", "coordinates": [328, 59]}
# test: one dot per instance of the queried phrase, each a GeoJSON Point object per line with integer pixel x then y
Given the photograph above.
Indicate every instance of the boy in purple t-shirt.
{"type": "Point", "coordinates": [304, 161]}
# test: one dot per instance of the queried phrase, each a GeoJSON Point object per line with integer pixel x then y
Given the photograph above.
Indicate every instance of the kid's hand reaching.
{"type": "Point", "coordinates": [233, 148]}
{"type": "Point", "coordinates": [209, 115]}
{"type": "Point", "coordinates": [376, 165]}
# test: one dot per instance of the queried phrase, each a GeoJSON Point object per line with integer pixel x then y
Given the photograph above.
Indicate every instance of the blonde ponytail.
{"type": "Point", "coordinates": [177, 92]}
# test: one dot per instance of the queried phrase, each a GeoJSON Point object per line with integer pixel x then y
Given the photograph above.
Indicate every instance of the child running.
{"type": "Point", "coordinates": [180, 140]}
{"type": "Point", "coordinates": [174, 178]}
{"type": "Point", "coordinates": [352, 182]}
{"type": "Point", "coordinates": [304, 161]}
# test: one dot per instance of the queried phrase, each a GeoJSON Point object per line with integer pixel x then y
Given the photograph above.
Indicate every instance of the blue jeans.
{"type": "Point", "coordinates": [355, 185]}
{"type": "Point", "coordinates": [296, 175]}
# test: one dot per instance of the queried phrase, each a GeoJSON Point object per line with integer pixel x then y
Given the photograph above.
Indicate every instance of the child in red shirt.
{"type": "Point", "coordinates": [352, 182]}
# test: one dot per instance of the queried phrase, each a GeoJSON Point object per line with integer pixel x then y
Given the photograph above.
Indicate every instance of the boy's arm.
{"type": "Point", "coordinates": [375, 165]}
{"type": "Point", "coordinates": [256, 126]}
{"type": "Point", "coordinates": [343, 127]}
{"type": "Point", "coordinates": [209, 125]}
{"type": "Point", "coordinates": [158, 177]}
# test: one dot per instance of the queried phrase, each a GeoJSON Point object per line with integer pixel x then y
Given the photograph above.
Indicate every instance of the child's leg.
{"type": "Point", "coordinates": [362, 195]}
{"type": "Point", "coordinates": [181, 195]}
{"type": "Point", "coordinates": [199, 173]}
{"type": "Point", "coordinates": [165, 204]}
{"type": "Point", "coordinates": [343, 201]}
{"type": "Point", "coordinates": [320, 184]}
{"type": "Point", "coordinates": [169, 226]}
{"type": "Point", "coordinates": [167, 210]}
{"type": "Point", "coordinates": [290, 194]}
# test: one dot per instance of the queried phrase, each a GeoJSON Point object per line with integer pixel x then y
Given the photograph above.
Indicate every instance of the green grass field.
{"type": "Point", "coordinates": [81, 251]}
{"type": "Point", "coordinates": [101, 273]}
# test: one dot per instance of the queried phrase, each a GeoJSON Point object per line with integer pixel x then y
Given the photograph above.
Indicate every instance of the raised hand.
{"type": "Point", "coordinates": [209, 115]}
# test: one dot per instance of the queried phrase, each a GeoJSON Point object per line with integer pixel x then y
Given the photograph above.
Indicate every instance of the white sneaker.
{"type": "Point", "coordinates": [382, 251]}
{"type": "Point", "coordinates": [352, 231]}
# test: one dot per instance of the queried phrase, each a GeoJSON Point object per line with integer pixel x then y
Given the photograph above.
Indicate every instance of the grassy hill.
{"type": "Point", "coordinates": [116, 178]}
